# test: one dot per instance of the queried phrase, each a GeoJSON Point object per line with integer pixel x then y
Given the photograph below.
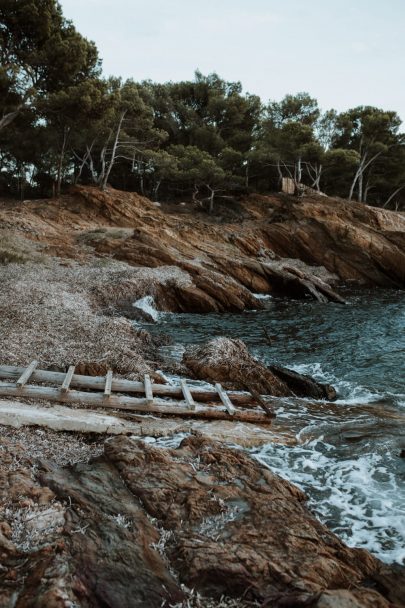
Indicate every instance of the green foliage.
{"type": "Point", "coordinates": [40, 53]}
{"type": "Point", "coordinates": [197, 139]}
{"type": "Point", "coordinates": [340, 166]}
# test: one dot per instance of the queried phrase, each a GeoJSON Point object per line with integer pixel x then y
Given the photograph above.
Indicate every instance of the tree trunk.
{"type": "Point", "coordinates": [355, 179]}
{"type": "Point", "coordinates": [317, 183]}
{"type": "Point", "coordinates": [391, 196]}
{"type": "Point", "coordinates": [195, 193]}
{"type": "Point", "coordinates": [360, 188]}
{"type": "Point", "coordinates": [360, 172]}
{"type": "Point", "coordinates": [298, 173]}
{"type": "Point", "coordinates": [211, 199]}
{"type": "Point", "coordinates": [8, 118]}
{"type": "Point", "coordinates": [66, 132]}
{"type": "Point", "coordinates": [156, 190]}
{"type": "Point", "coordinates": [103, 154]}
{"type": "Point", "coordinates": [280, 174]}
{"type": "Point", "coordinates": [314, 173]}
{"type": "Point", "coordinates": [86, 160]}
{"type": "Point", "coordinates": [211, 207]}
{"type": "Point", "coordinates": [113, 152]}
{"type": "Point", "coordinates": [366, 191]}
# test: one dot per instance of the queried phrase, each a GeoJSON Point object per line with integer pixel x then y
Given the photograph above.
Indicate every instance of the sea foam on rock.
{"type": "Point", "coordinates": [141, 522]}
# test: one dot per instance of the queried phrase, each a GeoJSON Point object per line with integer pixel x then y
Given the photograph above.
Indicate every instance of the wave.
{"type": "Point", "coordinates": [349, 393]}
{"type": "Point", "coordinates": [147, 304]}
{"type": "Point", "coordinates": [358, 498]}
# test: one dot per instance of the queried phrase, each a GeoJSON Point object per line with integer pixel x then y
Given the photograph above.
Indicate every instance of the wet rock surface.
{"type": "Point", "coordinates": [142, 525]}
{"type": "Point", "coordinates": [228, 361]}
{"type": "Point", "coordinates": [303, 385]}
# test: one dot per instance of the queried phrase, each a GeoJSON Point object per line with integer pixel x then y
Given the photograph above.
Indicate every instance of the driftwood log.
{"type": "Point", "coordinates": [159, 406]}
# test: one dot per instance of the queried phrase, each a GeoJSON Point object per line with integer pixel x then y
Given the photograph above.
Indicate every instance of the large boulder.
{"type": "Point", "coordinates": [229, 362]}
{"type": "Point", "coordinates": [142, 526]}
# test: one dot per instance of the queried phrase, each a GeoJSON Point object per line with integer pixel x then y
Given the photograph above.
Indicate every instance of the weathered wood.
{"type": "Point", "coordinates": [121, 385]}
{"type": "Point", "coordinates": [187, 395]}
{"type": "Point", "coordinates": [122, 402]}
{"type": "Point", "coordinates": [108, 383]}
{"type": "Point", "coordinates": [225, 399]}
{"type": "Point", "coordinates": [68, 378]}
{"type": "Point", "coordinates": [262, 404]}
{"type": "Point", "coordinates": [27, 373]}
{"type": "Point", "coordinates": [148, 389]}
{"type": "Point", "coordinates": [15, 413]}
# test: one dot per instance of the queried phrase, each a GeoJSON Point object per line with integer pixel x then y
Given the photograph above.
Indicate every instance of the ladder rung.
{"type": "Point", "coordinates": [68, 378]}
{"type": "Point", "coordinates": [108, 383]}
{"type": "Point", "coordinates": [225, 399]}
{"type": "Point", "coordinates": [26, 375]}
{"type": "Point", "coordinates": [148, 389]}
{"type": "Point", "coordinates": [187, 395]}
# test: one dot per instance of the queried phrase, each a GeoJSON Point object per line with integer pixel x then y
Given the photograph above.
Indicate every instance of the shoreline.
{"type": "Point", "coordinates": [61, 486]}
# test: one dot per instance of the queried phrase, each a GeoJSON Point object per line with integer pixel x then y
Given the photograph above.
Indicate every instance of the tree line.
{"type": "Point", "coordinates": [62, 122]}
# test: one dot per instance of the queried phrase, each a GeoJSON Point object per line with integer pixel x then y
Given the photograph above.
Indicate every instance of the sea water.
{"type": "Point", "coordinates": [347, 456]}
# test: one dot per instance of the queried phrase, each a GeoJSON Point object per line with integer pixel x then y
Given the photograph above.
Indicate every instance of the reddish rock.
{"type": "Point", "coordinates": [140, 521]}
{"type": "Point", "coordinates": [229, 361]}
{"type": "Point", "coordinates": [238, 529]}
{"type": "Point", "coordinates": [281, 245]}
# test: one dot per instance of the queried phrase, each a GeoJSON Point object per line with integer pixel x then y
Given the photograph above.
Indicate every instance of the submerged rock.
{"type": "Point", "coordinates": [140, 522]}
{"type": "Point", "coordinates": [229, 361]}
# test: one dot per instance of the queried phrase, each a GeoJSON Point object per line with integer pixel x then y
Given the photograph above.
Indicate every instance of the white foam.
{"type": "Point", "coordinates": [262, 296]}
{"type": "Point", "coordinates": [348, 393]}
{"type": "Point", "coordinates": [172, 352]}
{"type": "Point", "coordinates": [147, 304]}
{"type": "Point", "coordinates": [358, 498]}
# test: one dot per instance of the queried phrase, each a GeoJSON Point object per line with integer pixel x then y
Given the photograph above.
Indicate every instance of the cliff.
{"type": "Point", "coordinates": [275, 244]}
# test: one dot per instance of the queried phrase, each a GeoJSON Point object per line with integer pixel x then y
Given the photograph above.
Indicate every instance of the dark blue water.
{"type": "Point", "coordinates": [347, 453]}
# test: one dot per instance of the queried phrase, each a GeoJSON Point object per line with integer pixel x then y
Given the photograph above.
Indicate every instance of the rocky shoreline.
{"type": "Point", "coordinates": [95, 520]}
{"type": "Point", "coordinates": [200, 517]}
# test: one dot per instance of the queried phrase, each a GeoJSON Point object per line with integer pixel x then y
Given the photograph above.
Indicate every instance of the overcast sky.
{"type": "Point", "coordinates": [343, 52]}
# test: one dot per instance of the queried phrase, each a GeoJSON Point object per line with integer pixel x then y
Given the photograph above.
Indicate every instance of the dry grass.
{"type": "Point", "coordinates": [219, 350]}
{"type": "Point", "coordinates": [17, 249]}
{"type": "Point", "coordinates": [195, 600]}
{"type": "Point", "coordinates": [98, 235]}
{"type": "Point", "coordinates": [33, 523]}
{"type": "Point", "coordinates": [27, 445]}
{"type": "Point", "coordinates": [53, 313]}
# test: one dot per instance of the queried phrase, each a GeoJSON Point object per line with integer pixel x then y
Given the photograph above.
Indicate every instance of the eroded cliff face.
{"type": "Point", "coordinates": [355, 241]}
{"type": "Point", "coordinates": [278, 244]}
{"type": "Point", "coordinates": [142, 526]}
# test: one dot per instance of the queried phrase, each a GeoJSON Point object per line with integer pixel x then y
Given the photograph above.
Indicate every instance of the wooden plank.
{"type": "Point", "coordinates": [68, 378]}
{"type": "Point", "coordinates": [108, 383]}
{"type": "Point", "coordinates": [225, 399]}
{"type": "Point", "coordinates": [159, 406]}
{"type": "Point", "coordinates": [26, 375]}
{"type": "Point", "coordinates": [187, 395]}
{"type": "Point", "coordinates": [8, 372]}
{"type": "Point", "coordinates": [148, 389]}
{"type": "Point", "coordinates": [16, 413]}
{"type": "Point", "coordinates": [262, 404]}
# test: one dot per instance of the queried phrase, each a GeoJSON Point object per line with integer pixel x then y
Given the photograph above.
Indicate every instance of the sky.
{"type": "Point", "coordinates": [343, 52]}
